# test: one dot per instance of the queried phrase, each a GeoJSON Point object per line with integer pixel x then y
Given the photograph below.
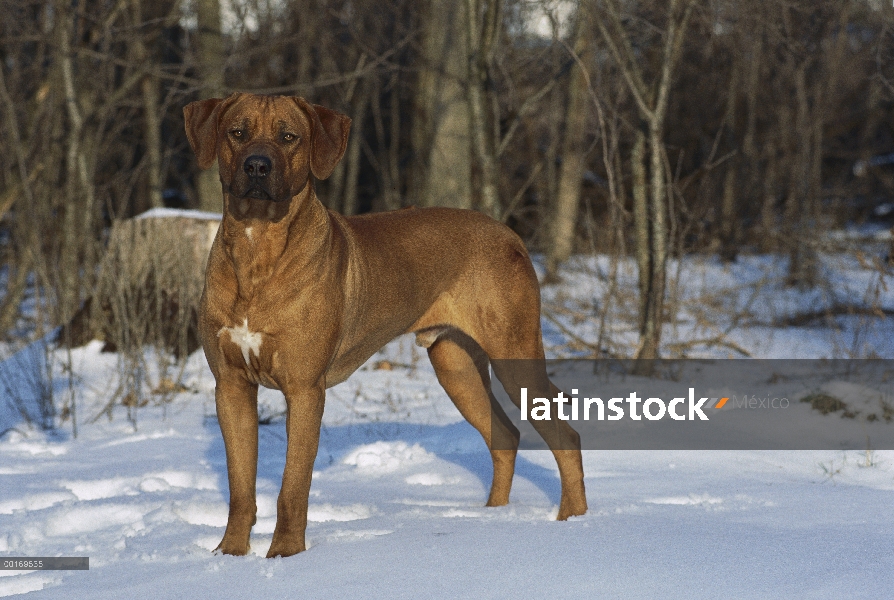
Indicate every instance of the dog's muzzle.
{"type": "Point", "coordinates": [257, 168]}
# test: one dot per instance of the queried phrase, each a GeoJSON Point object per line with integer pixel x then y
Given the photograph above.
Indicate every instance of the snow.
{"type": "Point", "coordinates": [168, 213]}
{"type": "Point", "coordinates": [400, 479]}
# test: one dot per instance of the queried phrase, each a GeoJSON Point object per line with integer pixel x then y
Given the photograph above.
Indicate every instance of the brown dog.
{"type": "Point", "coordinates": [298, 297]}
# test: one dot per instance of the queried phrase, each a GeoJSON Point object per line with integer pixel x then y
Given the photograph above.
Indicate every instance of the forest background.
{"type": "Point", "coordinates": [648, 130]}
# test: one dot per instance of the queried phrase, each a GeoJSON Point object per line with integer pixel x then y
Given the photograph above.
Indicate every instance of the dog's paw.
{"type": "Point", "coordinates": [285, 548]}
{"type": "Point", "coordinates": [571, 508]}
{"type": "Point", "coordinates": [232, 548]}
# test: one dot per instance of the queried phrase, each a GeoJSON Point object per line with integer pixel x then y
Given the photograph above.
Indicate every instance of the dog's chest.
{"type": "Point", "coordinates": [245, 348]}
{"type": "Point", "coordinates": [248, 341]}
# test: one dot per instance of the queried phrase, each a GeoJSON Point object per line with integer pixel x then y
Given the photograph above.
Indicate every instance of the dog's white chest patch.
{"type": "Point", "coordinates": [247, 340]}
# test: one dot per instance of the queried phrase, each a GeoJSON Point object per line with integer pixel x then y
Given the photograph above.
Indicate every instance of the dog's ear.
{"type": "Point", "coordinates": [328, 137]}
{"type": "Point", "coordinates": [200, 119]}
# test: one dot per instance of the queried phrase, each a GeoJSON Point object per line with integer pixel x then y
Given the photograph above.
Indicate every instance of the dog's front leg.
{"type": "Point", "coordinates": [237, 413]}
{"type": "Point", "coordinates": [305, 413]}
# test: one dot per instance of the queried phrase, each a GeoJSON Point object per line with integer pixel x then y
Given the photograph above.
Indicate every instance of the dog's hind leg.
{"type": "Point", "coordinates": [505, 322]}
{"type": "Point", "coordinates": [558, 434]}
{"type": "Point", "coordinates": [462, 369]}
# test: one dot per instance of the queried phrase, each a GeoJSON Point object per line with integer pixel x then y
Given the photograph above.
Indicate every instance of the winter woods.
{"type": "Point", "coordinates": [640, 129]}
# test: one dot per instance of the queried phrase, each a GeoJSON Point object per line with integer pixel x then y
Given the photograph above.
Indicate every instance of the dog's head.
{"type": "Point", "coordinates": [267, 146]}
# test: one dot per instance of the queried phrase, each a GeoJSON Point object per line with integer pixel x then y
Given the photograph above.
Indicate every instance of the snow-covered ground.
{"type": "Point", "coordinates": [397, 503]}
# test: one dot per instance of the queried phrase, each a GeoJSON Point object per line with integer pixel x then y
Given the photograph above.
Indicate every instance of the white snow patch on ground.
{"type": "Point", "coordinates": [321, 513]}
{"type": "Point", "coordinates": [34, 502]}
{"type": "Point", "coordinates": [386, 457]}
{"type": "Point", "coordinates": [691, 500]}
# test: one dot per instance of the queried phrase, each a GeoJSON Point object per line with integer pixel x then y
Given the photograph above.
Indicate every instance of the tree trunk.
{"type": "Point", "coordinates": [768, 206]}
{"type": "Point", "coordinates": [652, 316]}
{"type": "Point", "coordinates": [385, 160]}
{"type": "Point", "coordinates": [442, 168]}
{"type": "Point", "coordinates": [800, 209]}
{"type": "Point", "coordinates": [79, 204]}
{"type": "Point", "coordinates": [641, 223]}
{"type": "Point", "coordinates": [152, 132]}
{"type": "Point", "coordinates": [728, 225]}
{"type": "Point", "coordinates": [20, 262]}
{"type": "Point", "coordinates": [571, 173]}
{"type": "Point", "coordinates": [211, 66]}
{"type": "Point", "coordinates": [393, 198]}
{"type": "Point", "coordinates": [151, 122]}
{"type": "Point", "coordinates": [350, 204]}
{"type": "Point", "coordinates": [758, 180]}
{"type": "Point", "coordinates": [651, 223]}
{"type": "Point", "coordinates": [482, 30]}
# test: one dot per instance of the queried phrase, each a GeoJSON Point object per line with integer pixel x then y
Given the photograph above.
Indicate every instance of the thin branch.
{"type": "Point", "coordinates": [529, 103]}
{"type": "Point", "coordinates": [510, 209]}
{"type": "Point", "coordinates": [570, 334]}
{"type": "Point", "coordinates": [626, 63]}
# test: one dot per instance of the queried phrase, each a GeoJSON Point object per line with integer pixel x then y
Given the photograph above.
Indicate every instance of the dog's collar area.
{"type": "Point", "coordinates": [242, 208]}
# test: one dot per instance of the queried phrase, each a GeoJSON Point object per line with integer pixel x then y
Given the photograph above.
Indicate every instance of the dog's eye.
{"type": "Point", "coordinates": [289, 137]}
{"type": "Point", "coordinates": [237, 133]}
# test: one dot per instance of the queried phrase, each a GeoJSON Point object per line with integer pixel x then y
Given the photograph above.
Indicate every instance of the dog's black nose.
{"type": "Point", "coordinates": [257, 166]}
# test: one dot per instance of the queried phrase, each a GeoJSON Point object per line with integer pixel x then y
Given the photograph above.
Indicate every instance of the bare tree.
{"type": "Point", "coordinates": [351, 161]}
{"type": "Point", "coordinates": [441, 126]}
{"type": "Point", "coordinates": [565, 212]}
{"type": "Point", "coordinates": [80, 200]}
{"type": "Point", "coordinates": [652, 103]}
{"type": "Point", "coordinates": [726, 231]}
{"type": "Point", "coordinates": [210, 55]}
{"type": "Point", "coordinates": [483, 22]}
{"type": "Point", "coordinates": [151, 120]}
{"type": "Point", "coordinates": [810, 76]}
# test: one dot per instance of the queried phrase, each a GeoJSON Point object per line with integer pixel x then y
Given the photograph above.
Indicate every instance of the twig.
{"type": "Point", "coordinates": [535, 172]}
{"type": "Point", "coordinates": [719, 340]}
{"type": "Point", "coordinates": [594, 348]}
{"type": "Point", "coordinates": [528, 104]}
